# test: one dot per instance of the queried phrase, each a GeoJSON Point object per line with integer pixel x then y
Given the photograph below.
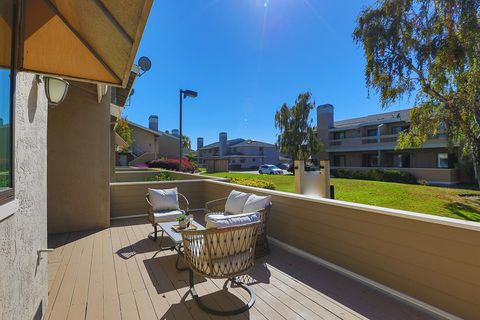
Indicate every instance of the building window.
{"type": "Point", "coordinates": [442, 160]}
{"type": "Point", "coordinates": [242, 161]}
{"type": "Point", "coordinates": [372, 160]}
{"type": "Point", "coordinates": [339, 135]}
{"type": "Point", "coordinates": [233, 161]}
{"type": "Point", "coordinates": [7, 85]}
{"type": "Point", "coordinates": [339, 161]}
{"type": "Point", "coordinates": [372, 132]}
{"type": "Point", "coordinates": [398, 129]}
{"type": "Point", "coordinates": [401, 160]}
{"type": "Point", "coordinates": [254, 159]}
{"type": "Point", "coordinates": [234, 149]}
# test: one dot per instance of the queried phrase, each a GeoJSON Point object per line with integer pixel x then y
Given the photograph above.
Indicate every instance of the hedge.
{"type": "Point", "coordinates": [162, 176]}
{"type": "Point", "coordinates": [171, 164]}
{"type": "Point", "coordinates": [387, 175]}
{"type": "Point", "coordinates": [254, 183]}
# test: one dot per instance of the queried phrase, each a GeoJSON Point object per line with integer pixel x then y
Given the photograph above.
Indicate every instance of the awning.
{"type": "Point", "coordinates": [89, 40]}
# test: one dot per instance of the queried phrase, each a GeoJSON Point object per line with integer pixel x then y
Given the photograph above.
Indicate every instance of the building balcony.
{"type": "Point", "coordinates": [373, 143]}
{"type": "Point", "coordinates": [329, 260]}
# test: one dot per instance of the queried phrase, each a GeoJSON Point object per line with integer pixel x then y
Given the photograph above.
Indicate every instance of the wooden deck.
{"type": "Point", "coordinates": [115, 274]}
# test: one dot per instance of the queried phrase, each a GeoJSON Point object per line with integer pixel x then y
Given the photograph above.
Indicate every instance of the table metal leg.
{"type": "Point", "coordinates": [179, 253]}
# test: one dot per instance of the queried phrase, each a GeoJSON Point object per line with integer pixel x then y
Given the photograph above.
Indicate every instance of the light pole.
{"type": "Point", "coordinates": [183, 94]}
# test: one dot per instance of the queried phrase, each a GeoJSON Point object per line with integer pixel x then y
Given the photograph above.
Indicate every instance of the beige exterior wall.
{"type": "Point", "coordinates": [79, 161]}
{"type": "Point", "coordinates": [128, 198]}
{"type": "Point", "coordinates": [23, 282]}
{"type": "Point", "coordinates": [168, 147]}
{"type": "Point", "coordinates": [435, 260]}
{"type": "Point", "coordinates": [143, 141]}
{"type": "Point", "coordinates": [426, 158]}
{"type": "Point", "coordinates": [163, 146]}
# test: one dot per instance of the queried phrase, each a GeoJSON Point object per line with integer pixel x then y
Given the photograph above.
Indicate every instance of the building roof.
{"type": "Point", "coordinates": [239, 142]}
{"type": "Point", "coordinates": [374, 119]}
{"type": "Point", "coordinates": [157, 133]}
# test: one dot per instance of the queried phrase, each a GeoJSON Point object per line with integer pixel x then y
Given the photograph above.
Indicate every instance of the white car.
{"type": "Point", "coordinates": [269, 169]}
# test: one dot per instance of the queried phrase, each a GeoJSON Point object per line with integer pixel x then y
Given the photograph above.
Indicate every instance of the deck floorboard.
{"type": "Point", "coordinates": [118, 273]}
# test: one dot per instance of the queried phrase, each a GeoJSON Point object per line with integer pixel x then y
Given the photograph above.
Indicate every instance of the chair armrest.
{"type": "Point", "coordinates": [216, 205]}
{"type": "Point", "coordinates": [183, 203]}
{"type": "Point", "coordinates": [149, 208]}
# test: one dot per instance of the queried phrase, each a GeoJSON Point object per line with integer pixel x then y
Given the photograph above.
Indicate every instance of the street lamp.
{"type": "Point", "coordinates": [183, 95]}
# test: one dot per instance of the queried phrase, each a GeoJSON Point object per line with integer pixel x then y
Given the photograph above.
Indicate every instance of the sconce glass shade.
{"type": "Point", "coordinates": [56, 90]}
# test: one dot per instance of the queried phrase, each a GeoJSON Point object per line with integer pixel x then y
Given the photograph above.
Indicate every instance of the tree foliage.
{"type": "Point", "coordinates": [186, 142]}
{"type": "Point", "coordinates": [297, 137]}
{"type": "Point", "coordinates": [124, 131]}
{"type": "Point", "coordinates": [429, 49]}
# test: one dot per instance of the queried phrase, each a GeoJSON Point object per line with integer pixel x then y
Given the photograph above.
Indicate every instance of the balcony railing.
{"type": "Point", "coordinates": [377, 142]}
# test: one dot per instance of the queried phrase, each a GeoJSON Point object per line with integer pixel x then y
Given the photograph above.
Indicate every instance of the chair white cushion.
{"type": "Point", "coordinates": [256, 203]}
{"type": "Point", "coordinates": [163, 199]}
{"type": "Point", "coordinates": [225, 221]}
{"type": "Point", "coordinates": [235, 202]}
{"type": "Point", "coordinates": [167, 215]}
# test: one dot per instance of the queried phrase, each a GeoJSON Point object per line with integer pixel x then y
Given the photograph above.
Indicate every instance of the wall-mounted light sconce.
{"type": "Point", "coordinates": [56, 90]}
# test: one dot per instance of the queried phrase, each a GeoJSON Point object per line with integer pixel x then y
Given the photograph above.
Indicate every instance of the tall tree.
{"type": "Point", "coordinates": [429, 49]}
{"type": "Point", "coordinates": [297, 136]}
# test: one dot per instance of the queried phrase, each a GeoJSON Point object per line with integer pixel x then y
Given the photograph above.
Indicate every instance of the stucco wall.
{"type": "Point", "coordinates": [23, 283]}
{"type": "Point", "coordinates": [168, 147]}
{"type": "Point", "coordinates": [143, 141]}
{"type": "Point", "coordinates": [79, 161]}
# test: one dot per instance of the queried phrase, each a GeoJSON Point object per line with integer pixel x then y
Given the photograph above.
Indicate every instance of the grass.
{"type": "Point", "coordinates": [460, 203]}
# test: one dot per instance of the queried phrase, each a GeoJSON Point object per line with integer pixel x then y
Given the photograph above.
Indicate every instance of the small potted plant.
{"type": "Point", "coordinates": [182, 221]}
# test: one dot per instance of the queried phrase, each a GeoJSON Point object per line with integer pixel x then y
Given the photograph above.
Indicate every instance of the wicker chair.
{"type": "Point", "coordinates": [262, 247]}
{"type": "Point", "coordinates": [183, 204]}
{"type": "Point", "coordinates": [221, 253]}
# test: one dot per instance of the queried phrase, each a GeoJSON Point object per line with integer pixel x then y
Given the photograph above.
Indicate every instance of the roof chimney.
{"type": "Point", "coordinates": [223, 144]}
{"type": "Point", "coordinates": [199, 143]}
{"type": "Point", "coordinates": [153, 122]}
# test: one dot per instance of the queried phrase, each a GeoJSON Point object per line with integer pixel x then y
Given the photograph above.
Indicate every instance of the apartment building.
{"type": "Point", "coordinates": [241, 154]}
{"type": "Point", "coordinates": [370, 142]}
{"type": "Point", "coordinates": [149, 144]}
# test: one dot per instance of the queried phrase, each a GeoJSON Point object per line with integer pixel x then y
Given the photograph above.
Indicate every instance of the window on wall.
{"type": "Point", "coordinates": [372, 160]}
{"type": "Point", "coordinates": [397, 129]}
{"type": "Point", "coordinates": [6, 100]}
{"type": "Point", "coordinates": [442, 160]}
{"type": "Point", "coordinates": [339, 161]}
{"type": "Point", "coordinates": [339, 135]}
{"type": "Point", "coordinates": [372, 132]}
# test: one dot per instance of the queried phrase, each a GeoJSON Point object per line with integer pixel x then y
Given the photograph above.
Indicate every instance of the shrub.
{"type": "Point", "coordinates": [162, 176]}
{"type": "Point", "coordinates": [254, 183]}
{"type": "Point", "coordinates": [388, 175]}
{"type": "Point", "coordinates": [171, 164]}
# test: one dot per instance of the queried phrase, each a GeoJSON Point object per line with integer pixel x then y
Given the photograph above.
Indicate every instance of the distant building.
{"type": "Point", "coordinates": [241, 154]}
{"type": "Point", "coordinates": [370, 142]}
{"type": "Point", "coordinates": [149, 144]}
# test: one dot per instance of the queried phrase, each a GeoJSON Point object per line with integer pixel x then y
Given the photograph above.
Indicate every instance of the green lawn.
{"type": "Point", "coordinates": [448, 202]}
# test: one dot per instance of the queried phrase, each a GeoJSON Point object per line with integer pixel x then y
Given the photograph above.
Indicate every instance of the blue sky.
{"type": "Point", "coordinates": [246, 58]}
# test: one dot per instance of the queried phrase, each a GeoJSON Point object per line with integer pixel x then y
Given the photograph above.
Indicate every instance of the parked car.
{"type": "Point", "coordinates": [269, 169]}
{"type": "Point", "coordinates": [284, 166]}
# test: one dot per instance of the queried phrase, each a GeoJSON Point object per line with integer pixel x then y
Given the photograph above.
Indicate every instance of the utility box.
{"type": "Point", "coordinates": [313, 183]}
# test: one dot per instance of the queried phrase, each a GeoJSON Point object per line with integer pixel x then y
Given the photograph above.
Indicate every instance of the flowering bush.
{"type": "Point", "coordinates": [171, 164]}
{"type": "Point", "coordinates": [254, 183]}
